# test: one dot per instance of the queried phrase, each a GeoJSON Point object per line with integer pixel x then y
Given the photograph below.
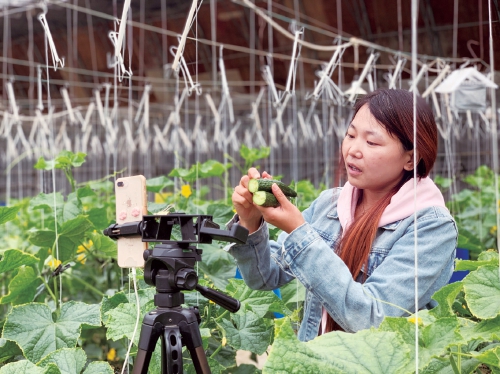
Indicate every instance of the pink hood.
{"type": "Point", "coordinates": [401, 206]}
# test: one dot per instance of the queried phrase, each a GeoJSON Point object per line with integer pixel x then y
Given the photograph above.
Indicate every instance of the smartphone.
{"type": "Point", "coordinates": [131, 205]}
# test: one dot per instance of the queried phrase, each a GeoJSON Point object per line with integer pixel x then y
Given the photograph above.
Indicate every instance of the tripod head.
{"type": "Point", "coordinates": [169, 266]}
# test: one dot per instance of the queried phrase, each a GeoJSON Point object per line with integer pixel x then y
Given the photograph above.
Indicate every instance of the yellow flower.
{"type": "Point", "coordinates": [111, 356]}
{"type": "Point", "coordinates": [81, 258]}
{"type": "Point", "coordinates": [412, 320]}
{"type": "Point", "coordinates": [54, 263]}
{"type": "Point", "coordinates": [186, 190]}
{"type": "Point", "coordinates": [493, 230]}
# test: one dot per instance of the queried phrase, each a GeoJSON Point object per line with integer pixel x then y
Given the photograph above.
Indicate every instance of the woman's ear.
{"type": "Point", "coordinates": [409, 165]}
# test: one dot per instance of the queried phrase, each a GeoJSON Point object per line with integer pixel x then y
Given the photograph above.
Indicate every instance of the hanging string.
{"type": "Point", "coordinates": [414, 21]}
{"type": "Point", "coordinates": [494, 131]}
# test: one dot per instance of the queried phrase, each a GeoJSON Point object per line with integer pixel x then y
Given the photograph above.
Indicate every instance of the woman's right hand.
{"type": "Point", "coordinates": [250, 217]}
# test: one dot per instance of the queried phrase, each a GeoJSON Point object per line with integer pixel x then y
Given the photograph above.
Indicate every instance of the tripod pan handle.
{"type": "Point", "coordinates": [225, 301]}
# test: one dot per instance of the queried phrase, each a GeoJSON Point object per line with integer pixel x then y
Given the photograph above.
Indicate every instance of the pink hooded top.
{"type": "Point", "coordinates": [402, 205]}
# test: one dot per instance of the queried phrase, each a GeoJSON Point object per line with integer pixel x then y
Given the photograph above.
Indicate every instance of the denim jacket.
{"type": "Point", "coordinates": [307, 254]}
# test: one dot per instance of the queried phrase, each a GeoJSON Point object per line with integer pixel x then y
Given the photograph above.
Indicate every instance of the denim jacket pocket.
{"type": "Point", "coordinates": [377, 255]}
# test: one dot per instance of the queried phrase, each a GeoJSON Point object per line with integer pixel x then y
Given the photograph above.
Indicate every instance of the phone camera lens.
{"type": "Point", "coordinates": [120, 184]}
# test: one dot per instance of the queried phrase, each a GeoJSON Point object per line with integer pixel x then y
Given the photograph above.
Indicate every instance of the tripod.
{"type": "Point", "coordinates": [170, 268]}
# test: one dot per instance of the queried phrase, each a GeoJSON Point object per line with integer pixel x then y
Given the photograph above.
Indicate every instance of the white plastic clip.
{"type": "Point", "coordinates": [69, 107]}
{"type": "Point", "coordinates": [55, 57]}
{"type": "Point", "coordinates": [188, 80]}
{"type": "Point", "coordinates": [117, 60]}
{"type": "Point", "coordinates": [418, 78]}
{"type": "Point", "coordinates": [292, 71]}
{"type": "Point", "coordinates": [39, 88]}
{"type": "Point", "coordinates": [357, 84]}
{"type": "Point", "coordinates": [397, 73]}
{"type": "Point", "coordinates": [268, 78]}
{"type": "Point", "coordinates": [225, 86]}
{"type": "Point", "coordinates": [12, 101]}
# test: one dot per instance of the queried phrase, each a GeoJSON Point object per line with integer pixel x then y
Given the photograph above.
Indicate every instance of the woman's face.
{"type": "Point", "coordinates": [375, 161]}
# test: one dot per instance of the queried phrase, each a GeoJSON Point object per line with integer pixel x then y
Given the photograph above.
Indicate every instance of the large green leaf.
{"type": "Point", "coordinates": [8, 213]}
{"type": "Point", "coordinates": [434, 338]}
{"type": "Point", "coordinates": [47, 201]}
{"type": "Point", "coordinates": [67, 360]}
{"type": "Point", "coordinates": [442, 365]}
{"type": "Point", "coordinates": [217, 265]}
{"type": "Point", "coordinates": [99, 217]}
{"type": "Point", "coordinates": [288, 355]}
{"type": "Point", "coordinates": [367, 351]}
{"type": "Point", "coordinates": [469, 241]}
{"type": "Point", "coordinates": [38, 333]}
{"type": "Point", "coordinates": [22, 367]}
{"type": "Point", "coordinates": [485, 330]}
{"type": "Point", "coordinates": [248, 331]}
{"type": "Point", "coordinates": [103, 245]}
{"type": "Point", "coordinates": [482, 292]}
{"type": "Point", "coordinates": [159, 183]}
{"type": "Point", "coordinates": [258, 301]}
{"type": "Point", "coordinates": [72, 207]}
{"type": "Point", "coordinates": [121, 322]}
{"type": "Point", "coordinates": [13, 258]}
{"type": "Point", "coordinates": [71, 234]}
{"type": "Point", "coordinates": [22, 287]}
{"type": "Point", "coordinates": [98, 367]}
{"type": "Point", "coordinates": [8, 350]}
{"type": "Point", "coordinates": [445, 298]}
{"type": "Point", "coordinates": [490, 357]}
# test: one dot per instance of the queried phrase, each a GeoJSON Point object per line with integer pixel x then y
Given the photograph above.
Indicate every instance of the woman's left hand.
{"type": "Point", "coordinates": [286, 216]}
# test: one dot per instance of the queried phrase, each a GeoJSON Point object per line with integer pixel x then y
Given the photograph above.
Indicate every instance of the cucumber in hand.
{"type": "Point", "coordinates": [262, 184]}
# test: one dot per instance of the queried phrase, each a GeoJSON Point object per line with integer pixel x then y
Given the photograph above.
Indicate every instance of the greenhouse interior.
{"type": "Point", "coordinates": [310, 186]}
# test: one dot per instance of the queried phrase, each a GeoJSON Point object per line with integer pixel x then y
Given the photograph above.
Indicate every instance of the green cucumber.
{"type": "Point", "coordinates": [263, 184]}
{"type": "Point", "coordinates": [265, 199]}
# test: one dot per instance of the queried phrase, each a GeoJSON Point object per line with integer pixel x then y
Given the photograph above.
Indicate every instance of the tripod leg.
{"type": "Point", "coordinates": [171, 354]}
{"type": "Point", "coordinates": [147, 342]}
{"type": "Point", "coordinates": [192, 340]}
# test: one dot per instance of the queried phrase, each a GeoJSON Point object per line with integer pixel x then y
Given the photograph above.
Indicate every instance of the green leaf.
{"type": "Point", "coordinates": [22, 287]}
{"type": "Point", "coordinates": [158, 184]}
{"type": "Point", "coordinates": [217, 265]}
{"type": "Point", "coordinates": [121, 322]}
{"type": "Point", "coordinates": [72, 208]}
{"type": "Point", "coordinates": [42, 238]}
{"type": "Point", "coordinates": [210, 168]}
{"type": "Point", "coordinates": [44, 334]}
{"type": "Point", "coordinates": [110, 302]}
{"type": "Point", "coordinates": [85, 191]}
{"type": "Point", "coordinates": [103, 245]}
{"type": "Point", "coordinates": [21, 367]}
{"type": "Point", "coordinates": [14, 258]}
{"type": "Point", "coordinates": [257, 301]}
{"type": "Point", "coordinates": [441, 365]}
{"type": "Point", "coordinates": [98, 367]}
{"type": "Point", "coordinates": [67, 360]}
{"type": "Point", "coordinates": [8, 350]}
{"type": "Point", "coordinates": [367, 351]}
{"type": "Point", "coordinates": [434, 338]}
{"type": "Point", "coordinates": [46, 201]}
{"type": "Point", "coordinates": [99, 218]}
{"type": "Point", "coordinates": [288, 355]}
{"type": "Point", "coordinates": [71, 234]}
{"type": "Point", "coordinates": [250, 155]}
{"type": "Point", "coordinates": [484, 259]}
{"type": "Point", "coordinates": [249, 332]}
{"type": "Point", "coordinates": [468, 240]}
{"type": "Point", "coordinates": [485, 330]}
{"type": "Point", "coordinates": [293, 293]}
{"type": "Point", "coordinates": [445, 298]}
{"type": "Point", "coordinates": [490, 357]}
{"type": "Point", "coordinates": [8, 213]}
{"type": "Point", "coordinates": [482, 292]}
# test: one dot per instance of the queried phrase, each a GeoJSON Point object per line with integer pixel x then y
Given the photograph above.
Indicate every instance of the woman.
{"type": "Point", "coordinates": [354, 248]}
